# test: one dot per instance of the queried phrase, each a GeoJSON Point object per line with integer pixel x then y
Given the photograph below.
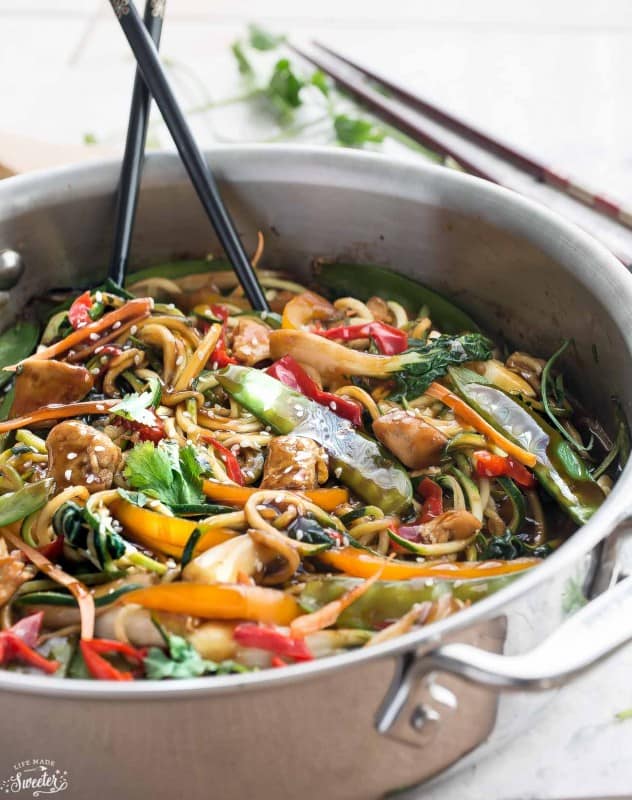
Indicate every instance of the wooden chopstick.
{"type": "Point", "coordinates": [469, 154]}
{"type": "Point", "coordinates": [599, 202]}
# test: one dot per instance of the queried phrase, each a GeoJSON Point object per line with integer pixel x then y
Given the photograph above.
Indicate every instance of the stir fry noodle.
{"type": "Point", "coordinates": [189, 487]}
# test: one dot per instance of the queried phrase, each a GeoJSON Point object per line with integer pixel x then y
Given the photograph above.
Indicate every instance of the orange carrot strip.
{"type": "Point", "coordinates": [328, 614]}
{"type": "Point", "coordinates": [76, 588]}
{"type": "Point", "coordinates": [361, 564]}
{"type": "Point", "coordinates": [474, 419]}
{"type": "Point", "coordinates": [58, 411]}
{"type": "Point", "coordinates": [328, 499]}
{"type": "Point", "coordinates": [83, 353]}
{"type": "Point", "coordinates": [140, 306]}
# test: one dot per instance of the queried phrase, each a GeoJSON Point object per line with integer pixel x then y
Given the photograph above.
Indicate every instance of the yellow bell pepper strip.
{"type": "Point", "coordinates": [79, 590]}
{"type": "Point", "coordinates": [226, 493]}
{"type": "Point", "coordinates": [219, 601]}
{"type": "Point", "coordinates": [471, 417]}
{"type": "Point", "coordinates": [132, 310]}
{"type": "Point", "coordinates": [303, 310]}
{"type": "Point", "coordinates": [167, 535]}
{"type": "Point", "coordinates": [360, 564]}
{"type": "Point", "coordinates": [58, 411]}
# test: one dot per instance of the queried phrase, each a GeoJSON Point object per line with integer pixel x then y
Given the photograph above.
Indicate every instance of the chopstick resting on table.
{"type": "Point", "coordinates": [476, 152]}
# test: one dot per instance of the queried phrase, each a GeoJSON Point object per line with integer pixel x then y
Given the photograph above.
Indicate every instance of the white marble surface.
{"type": "Point", "coordinates": [552, 76]}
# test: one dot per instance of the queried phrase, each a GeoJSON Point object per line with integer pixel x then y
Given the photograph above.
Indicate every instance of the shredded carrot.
{"type": "Point", "coordinates": [75, 587]}
{"type": "Point", "coordinates": [467, 414]}
{"type": "Point", "coordinates": [116, 335]}
{"type": "Point", "coordinates": [58, 411]}
{"type": "Point", "coordinates": [328, 614]}
{"type": "Point", "coordinates": [139, 307]}
{"type": "Point", "coordinates": [259, 251]}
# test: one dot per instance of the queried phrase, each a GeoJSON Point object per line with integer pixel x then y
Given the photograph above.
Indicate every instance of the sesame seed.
{"type": "Point", "coordinates": [95, 371]}
{"type": "Point", "coordinates": [100, 407]}
{"type": "Point", "coordinates": [333, 405]}
{"type": "Point", "coordinates": [98, 349]}
{"type": "Point", "coordinates": [99, 448]}
{"type": "Point", "coordinates": [91, 479]}
{"type": "Point", "coordinates": [133, 329]}
{"type": "Point", "coordinates": [180, 360]}
{"type": "Point", "coordinates": [71, 456]}
{"type": "Point", "coordinates": [98, 297]}
{"type": "Point", "coordinates": [68, 474]}
{"type": "Point", "coordinates": [116, 325]}
{"type": "Point", "coordinates": [93, 337]}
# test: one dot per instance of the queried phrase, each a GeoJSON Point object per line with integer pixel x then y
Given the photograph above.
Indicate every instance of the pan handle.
{"type": "Point", "coordinates": [585, 639]}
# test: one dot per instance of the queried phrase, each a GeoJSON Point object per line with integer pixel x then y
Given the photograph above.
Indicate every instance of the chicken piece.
{"type": "Point", "coordinates": [13, 573]}
{"type": "Point", "coordinates": [280, 300]}
{"type": "Point", "coordinates": [251, 341]}
{"type": "Point", "coordinates": [449, 527]}
{"type": "Point", "coordinates": [416, 443]}
{"type": "Point", "coordinates": [40, 383]}
{"type": "Point", "coordinates": [380, 310]}
{"type": "Point", "coordinates": [79, 455]}
{"type": "Point", "coordinates": [294, 462]}
{"type": "Point", "coordinates": [527, 367]}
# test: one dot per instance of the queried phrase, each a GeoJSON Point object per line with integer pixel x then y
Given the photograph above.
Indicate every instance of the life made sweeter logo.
{"type": "Point", "coordinates": [35, 777]}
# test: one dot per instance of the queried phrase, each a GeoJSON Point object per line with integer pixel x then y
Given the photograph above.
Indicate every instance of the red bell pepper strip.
{"type": "Point", "coordinates": [99, 667]}
{"type": "Point", "coordinates": [278, 662]}
{"type": "Point", "coordinates": [146, 433]}
{"type": "Point", "coordinates": [53, 550]}
{"type": "Point", "coordinates": [389, 340]}
{"type": "Point", "coordinates": [219, 357]}
{"type": "Point", "coordinates": [16, 644]}
{"type": "Point", "coordinates": [490, 465]}
{"type": "Point", "coordinates": [433, 500]}
{"type": "Point", "coordinates": [233, 470]}
{"type": "Point", "coordinates": [249, 634]}
{"type": "Point", "coordinates": [79, 311]}
{"type": "Point", "coordinates": [291, 374]}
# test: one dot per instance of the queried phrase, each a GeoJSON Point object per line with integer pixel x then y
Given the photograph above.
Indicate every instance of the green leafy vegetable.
{"type": "Point", "coordinates": [135, 406]}
{"type": "Point", "coordinates": [182, 660]}
{"type": "Point", "coordinates": [261, 39]}
{"type": "Point", "coordinates": [16, 344]}
{"type": "Point", "coordinates": [243, 64]}
{"type": "Point", "coordinates": [355, 132]}
{"type": "Point", "coordinates": [559, 396]}
{"type": "Point", "coordinates": [507, 547]}
{"type": "Point", "coordinates": [320, 81]}
{"type": "Point", "coordinates": [284, 88]}
{"type": "Point", "coordinates": [424, 362]}
{"type": "Point", "coordinates": [91, 535]}
{"type": "Point", "coordinates": [166, 472]}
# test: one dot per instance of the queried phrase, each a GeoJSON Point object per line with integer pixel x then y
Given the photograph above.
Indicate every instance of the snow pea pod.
{"type": "Point", "coordinates": [559, 469]}
{"type": "Point", "coordinates": [30, 498]}
{"type": "Point", "coordinates": [368, 280]}
{"type": "Point", "coordinates": [16, 344]}
{"type": "Point", "coordinates": [386, 601]}
{"type": "Point", "coordinates": [357, 460]}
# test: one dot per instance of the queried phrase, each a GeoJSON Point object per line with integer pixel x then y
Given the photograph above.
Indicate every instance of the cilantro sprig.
{"type": "Point", "coordinates": [166, 472]}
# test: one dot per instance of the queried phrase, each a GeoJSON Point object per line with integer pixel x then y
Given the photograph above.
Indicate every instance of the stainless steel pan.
{"type": "Point", "coordinates": [359, 724]}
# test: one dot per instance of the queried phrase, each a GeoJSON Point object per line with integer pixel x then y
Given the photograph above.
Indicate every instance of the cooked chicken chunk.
{"type": "Point", "coordinates": [79, 455]}
{"type": "Point", "coordinates": [294, 462]}
{"type": "Point", "coordinates": [13, 573]}
{"type": "Point", "coordinates": [416, 443]}
{"type": "Point", "coordinates": [251, 341]}
{"type": "Point", "coordinates": [380, 310]}
{"type": "Point", "coordinates": [40, 383]}
{"type": "Point", "coordinates": [449, 527]}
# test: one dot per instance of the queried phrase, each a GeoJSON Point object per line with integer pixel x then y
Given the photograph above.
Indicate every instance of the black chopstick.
{"type": "Point", "coordinates": [153, 74]}
{"type": "Point", "coordinates": [132, 165]}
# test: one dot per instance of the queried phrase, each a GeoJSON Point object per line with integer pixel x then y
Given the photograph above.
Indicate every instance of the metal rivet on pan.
{"type": "Point", "coordinates": [423, 714]}
{"type": "Point", "coordinates": [11, 268]}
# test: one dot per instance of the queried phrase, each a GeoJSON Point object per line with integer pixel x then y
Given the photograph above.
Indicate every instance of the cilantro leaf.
{"type": "Point", "coordinates": [320, 81]}
{"type": "Point", "coordinates": [166, 472]}
{"type": "Point", "coordinates": [284, 88]}
{"type": "Point", "coordinates": [135, 406]}
{"type": "Point", "coordinates": [355, 132]}
{"type": "Point", "coordinates": [243, 64]}
{"type": "Point", "coordinates": [182, 660]}
{"type": "Point", "coordinates": [261, 39]}
{"type": "Point", "coordinates": [424, 362]}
